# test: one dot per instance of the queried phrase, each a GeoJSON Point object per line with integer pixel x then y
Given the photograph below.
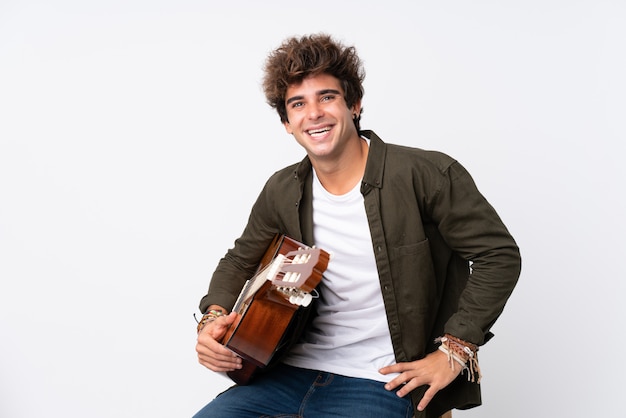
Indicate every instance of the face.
{"type": "Point", "coordinates": [319, 118]}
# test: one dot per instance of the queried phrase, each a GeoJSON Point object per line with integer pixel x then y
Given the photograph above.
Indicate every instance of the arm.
{"type": "Point", "coordinates": [469, 226]}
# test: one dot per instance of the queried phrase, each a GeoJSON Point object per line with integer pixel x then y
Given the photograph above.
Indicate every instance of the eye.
{"type": "Point", "coordinates": [327, 97]}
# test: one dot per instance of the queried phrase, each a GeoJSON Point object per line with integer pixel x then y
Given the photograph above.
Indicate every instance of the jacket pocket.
{"type": "Point", "coordinates": [414, 277]}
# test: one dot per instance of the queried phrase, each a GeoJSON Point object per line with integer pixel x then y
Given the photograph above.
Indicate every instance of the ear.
{"type": "Point", "coordinates": [356, 108]}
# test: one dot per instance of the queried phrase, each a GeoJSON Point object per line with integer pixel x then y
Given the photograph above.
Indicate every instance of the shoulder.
{"type": "Point", "coordinates": [287, 175]}
{"type": "Point", "coordinates": [404, 157]}
{"type": "Point", "coordinates": [419, 158]}
{"type": "Point", "coordinates": [290, 178]}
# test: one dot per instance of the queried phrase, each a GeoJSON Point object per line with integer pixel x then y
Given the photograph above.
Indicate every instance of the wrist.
{"type": "Point", "coordinates": [463, 353]}
{"type": "Point", "coordinates": [210, 316]}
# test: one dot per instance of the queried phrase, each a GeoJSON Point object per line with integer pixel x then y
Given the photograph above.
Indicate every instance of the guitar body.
{"type": "Point", "coordinates": [269, 303]}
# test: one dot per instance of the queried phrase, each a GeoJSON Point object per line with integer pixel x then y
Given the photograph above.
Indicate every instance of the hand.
{"type": "Point", "coordinates": [433, 370]}
{"type": "Point", "coordinates": [211, 353]}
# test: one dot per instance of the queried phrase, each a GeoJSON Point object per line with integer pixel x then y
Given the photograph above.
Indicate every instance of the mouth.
{"type": "Point", "coordinates": [315, 133]}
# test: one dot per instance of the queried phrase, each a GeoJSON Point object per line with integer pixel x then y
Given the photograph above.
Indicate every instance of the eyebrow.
{"type": "Point", "coordinates": [319, 93]}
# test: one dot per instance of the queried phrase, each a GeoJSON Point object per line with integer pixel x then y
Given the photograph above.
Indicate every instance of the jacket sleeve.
{"type": "Point", "coordinates": [473, 229]}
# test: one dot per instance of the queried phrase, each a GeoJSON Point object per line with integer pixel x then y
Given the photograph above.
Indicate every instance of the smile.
{"type": "Point", "coordinates": [318, 132]}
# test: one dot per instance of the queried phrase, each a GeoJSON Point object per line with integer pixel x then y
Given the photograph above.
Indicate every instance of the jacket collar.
{"type": "Point", "coordinates": [375, 161]}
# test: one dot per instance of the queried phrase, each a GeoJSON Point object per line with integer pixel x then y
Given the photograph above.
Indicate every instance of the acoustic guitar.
{"type": "Point", "coordinates": [266, 309]}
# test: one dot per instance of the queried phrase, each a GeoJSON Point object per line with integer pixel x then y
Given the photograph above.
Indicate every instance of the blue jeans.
{"type": "Point", "coordinates": [291, 392]}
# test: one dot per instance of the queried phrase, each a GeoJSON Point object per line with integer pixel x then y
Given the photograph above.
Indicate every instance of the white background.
{"type": "Point", "coordinates": [134, 137]}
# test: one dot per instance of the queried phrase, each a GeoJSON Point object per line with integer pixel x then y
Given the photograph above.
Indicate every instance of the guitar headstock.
{"type": "Point", "coordinates": [300, 269]}
{"type": "Point", "coordinates": [296, 267]}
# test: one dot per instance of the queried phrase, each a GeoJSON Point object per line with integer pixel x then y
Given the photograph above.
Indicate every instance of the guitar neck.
{"type": "Point", "coordinates": [252, 286]}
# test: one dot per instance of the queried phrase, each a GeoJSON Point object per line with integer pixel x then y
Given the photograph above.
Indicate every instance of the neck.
{"type": "Point", "coordinates": [339, 177]}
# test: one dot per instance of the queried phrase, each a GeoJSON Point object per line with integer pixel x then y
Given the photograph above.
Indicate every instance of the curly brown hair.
{"type": "Point", "coordinates": [310, 55]}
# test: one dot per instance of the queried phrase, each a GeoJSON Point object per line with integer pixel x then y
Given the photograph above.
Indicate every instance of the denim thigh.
{"type": "Point", "coordinates": [291, 392]}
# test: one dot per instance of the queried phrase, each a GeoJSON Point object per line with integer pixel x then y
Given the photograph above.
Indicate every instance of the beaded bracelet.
{"type": "Point", "coordinates": [210, 316]}
{"type": "Point", "coordinates": [463, 353]}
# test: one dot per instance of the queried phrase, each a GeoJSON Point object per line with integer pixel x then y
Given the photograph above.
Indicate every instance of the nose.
{"type": "Point", "coordinates": [315, 111]}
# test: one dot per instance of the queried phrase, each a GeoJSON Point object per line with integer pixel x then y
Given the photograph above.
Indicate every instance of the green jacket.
{"type": "Point", "coordinates": [428, 222]}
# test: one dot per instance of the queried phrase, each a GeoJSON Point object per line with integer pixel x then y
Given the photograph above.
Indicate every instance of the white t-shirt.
{"type": "Point", "coordinates": [350, 334]}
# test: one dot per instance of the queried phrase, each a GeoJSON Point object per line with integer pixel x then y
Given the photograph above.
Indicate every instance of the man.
{"type": "Point", "coordinates": [400, 315]}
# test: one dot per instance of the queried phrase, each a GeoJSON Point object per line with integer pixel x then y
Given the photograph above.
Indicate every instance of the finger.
{"type": "Point", "coordinates": [217, 361]}
{"type": "Point", "coordinates": [404, 384]}
{"type": "Point", "coordinates": [396, 368]}
{"type": "Point", "coordinates": [214, 355]}
{"type": "Point", "coordinates": [386, 369]}
{"type": "Point", "coordinates": [392, 384]}
{"type": "Point", "coordinates": [219, 366]}
{"type": "Point", "coordinates": [428, 396]}
{"type": "Point", "coordinates": [211, 349]}
{"type": "Point", "coordinates": [397, 381]}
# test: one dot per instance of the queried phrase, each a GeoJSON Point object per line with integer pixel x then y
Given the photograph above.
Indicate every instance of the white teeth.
{"type": "Point", "coordinates": [318, 131]}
